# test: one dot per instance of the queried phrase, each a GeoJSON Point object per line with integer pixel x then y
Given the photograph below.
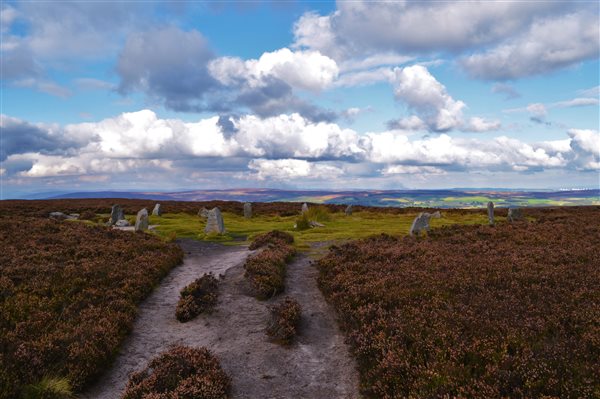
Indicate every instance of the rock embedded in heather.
{"type": "Point", "coordinates": [214, 222]}
{"type": "Point", "coordinates": [122, 223]}
{"type": "Point", "coordinates": [157, 211]}
{"type": "Point", "coordinates": [116, 214]}
{"type": "Point", "coordinates": [60, 216]}
{"type": "Point", "coordinates": [421, 222]}
{"type": "Point", "coordinates": [348, 210]}
{"type": "Point", "coordinates": [515, 214]}
{"type": "Point", "coordinates": [248, 210]}
{"type": "Point", "coordinates": [304, 208]}
{"type": "Point", "coordinates": [490, 210]}
{"type": "Point", "coordinates": [141, 220]}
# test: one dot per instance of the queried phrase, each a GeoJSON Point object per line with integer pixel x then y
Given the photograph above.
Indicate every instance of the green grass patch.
{"type": "Point", "coordinates": [339, 227]}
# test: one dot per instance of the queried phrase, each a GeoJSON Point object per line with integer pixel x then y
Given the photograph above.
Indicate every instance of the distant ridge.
{"type": "Point", "coordinates": [449, 198]}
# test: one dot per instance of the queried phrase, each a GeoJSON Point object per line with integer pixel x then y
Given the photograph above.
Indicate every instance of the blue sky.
{"type": "Point", "coordinates": [404, 94]}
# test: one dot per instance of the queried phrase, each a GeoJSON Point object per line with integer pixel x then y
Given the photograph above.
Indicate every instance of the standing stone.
{"type": "Point", "coordinates": [247, 210]}
{"type": "Point", "coordinates": [116, 214]}
{"type": "Point", "coordinates": [214, 223]}
{"type": "Point", "coordinates": [157, 211]}
{"type": "Point", "coordinates": [514, 214]}
{"type": "Point", "coordinates": [141, 220]}
{"type": "Point", "coordinates": [203, 213]}
{"type": "Point", "coordinates": [348, 210]}
{"type": "Point", "coordinates": [421, 222]}
{"type": "Point", "coordinates": [304, 208]}
{"type": "Point", "coordinates": [490, 208]}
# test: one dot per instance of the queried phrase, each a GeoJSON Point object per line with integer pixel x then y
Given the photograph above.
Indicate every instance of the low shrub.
{"type": "Point", "coordinates": [284, 322]}
{"type": "Point", "coordinates": [68, 297]}
{"type": "Point", "coordinates": [198, 297]}
{"type": "Point", "coordinates": [319, 213]}
{"type": "Point", "coordinates": [474, 311]}
{"type": "Point", "coordinates": [181, 372]}
{"type": "Point", "coordinates": [272, 237]}
{"type": "Point", "coordinates": [88, 215]}
{"type": "Point", "coordinates": [303, 222]}
{"type": "Point", "coordinates": [266, 270]}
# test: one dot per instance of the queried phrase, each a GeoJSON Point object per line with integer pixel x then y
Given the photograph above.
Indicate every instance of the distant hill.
{"type": "Point", "coordinates": [458, 198]}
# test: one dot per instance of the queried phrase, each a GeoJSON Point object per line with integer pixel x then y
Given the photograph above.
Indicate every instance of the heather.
{"type": "Point", "coordinates": [68, 297]}
{"type": "Point", "coordinates": [284, 321]}
{"type": "Point", "coordinates": [474, 311]}
{"type": "Point", "coordinates": [199, 296]}
{"type": "Point", "coordinates": [180, 373]}
{"type": "Point", "coordinates": [266, 269]}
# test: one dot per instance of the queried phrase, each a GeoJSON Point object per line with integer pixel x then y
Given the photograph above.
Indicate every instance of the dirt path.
{"type": "Point", "coordinates": [317, 365]}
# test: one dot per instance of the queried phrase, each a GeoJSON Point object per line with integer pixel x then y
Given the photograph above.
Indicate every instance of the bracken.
{"type": "Point", "coordinates": [478, 311]}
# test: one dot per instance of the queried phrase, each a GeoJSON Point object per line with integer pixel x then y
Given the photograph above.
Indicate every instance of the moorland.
{"type": "Point", "coordinates": [470, 310]}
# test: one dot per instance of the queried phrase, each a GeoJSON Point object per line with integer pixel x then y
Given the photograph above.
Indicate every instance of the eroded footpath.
{"type": "Point", "coordinates": [316, 365]}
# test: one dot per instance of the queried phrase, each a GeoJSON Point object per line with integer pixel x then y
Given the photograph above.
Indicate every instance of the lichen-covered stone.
{"type": "Point", "coordinates": [247, 210]}
{"type": "Point", "coordinates": [214, 222]}
{"type": "Point", "coordinates": [141, 220]}
{"type": "Point", "coordinates": [116, 214]}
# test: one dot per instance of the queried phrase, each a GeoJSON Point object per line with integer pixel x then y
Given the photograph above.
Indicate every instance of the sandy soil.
{"type": "Point", "coordinates": [317, 365]}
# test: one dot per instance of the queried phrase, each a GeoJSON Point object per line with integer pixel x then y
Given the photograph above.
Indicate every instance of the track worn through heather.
{"type": "Point", "coordinates": [316, 365]}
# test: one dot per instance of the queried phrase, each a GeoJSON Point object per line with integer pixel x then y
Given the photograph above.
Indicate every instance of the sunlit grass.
{"type": "Point", "coordinates": [339, 228]}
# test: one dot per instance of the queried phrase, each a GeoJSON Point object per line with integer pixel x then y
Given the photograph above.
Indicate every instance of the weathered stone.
{"type": "Point", "coordinates": [421, 222]}
{"type": "Point", "coordinates": [214, 222]}
{"type": "Point", "coordinates": [304, 208]}
{"type": "Point", "coordinates": [490, 209]}
{"type": "Point", "coordinates": [157, 211]}
{"type": "Point", "coordinates": [247, 210]}
{"type": "Point", "coordinates": [515, 214]}
{"type": "Point", "coordinates": [315, 224]}
{"type": "Point", "coordinates": [203, 213]}
{"type": "Point", "coordinates": [141, 220]}
{"type": "Point", "coordinates": [59, 216]}
{"type": "Point", "coordinates": [116, 214]}
{"type": "Point", "coordinates": [348, 210]}
{"type": "Point", "coordinates": [122, 223]}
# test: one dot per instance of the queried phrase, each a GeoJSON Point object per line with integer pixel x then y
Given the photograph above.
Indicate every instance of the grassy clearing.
{"type": "Point", "coordinates": [339, 228]}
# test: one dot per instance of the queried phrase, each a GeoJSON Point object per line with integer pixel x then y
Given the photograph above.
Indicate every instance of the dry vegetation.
{"type": "Point", "coordinates": [266, 269]}
{"type": "Point", "coordinates": [284, 322]}
{"type": "Point", "coordinates": [200, 296]}
{"type": "Point", "coordinates": [180, 373]}
{"type": "Point", "coordinates": [68, 296]}
{"type": "Point", "coordinates": [474, 311]}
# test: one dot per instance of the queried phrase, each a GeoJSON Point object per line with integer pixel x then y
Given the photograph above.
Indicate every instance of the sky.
{"type": "Point", "coordinates": [180, 95]}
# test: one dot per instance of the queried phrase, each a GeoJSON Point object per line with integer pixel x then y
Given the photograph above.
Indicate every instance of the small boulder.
{"type": "Point", "coordinates": [248, 210]}
{"type": "Point", "coordinates": [214, 222]}
{"type": "Point", "coordinates": [141, 220]}
{"type": "Point", "coordinates": [122, 223]}
{"type": "Point", "coordinates": [157, 211]}
{"type": "Point", "coordinates": [348, 210]}
{"type": "Point", "coordinates": [59, 216]}
{"type": "Point", "coordinates": [421, 222]}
